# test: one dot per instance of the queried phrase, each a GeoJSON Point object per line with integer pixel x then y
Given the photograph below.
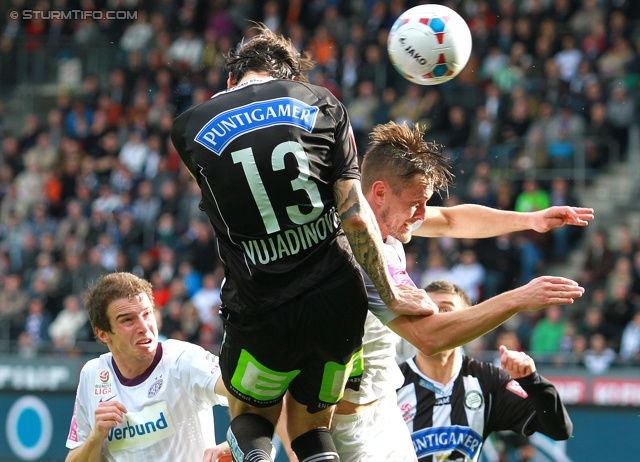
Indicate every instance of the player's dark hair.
{"type": "Point", "coordinates": [446, 287]}
{"type": "Point", "coordinates": [271, 53]}
{"type": "Point", "coordinates": [397, 153]}
{"type": "Point", "coordinates": [109, 288]}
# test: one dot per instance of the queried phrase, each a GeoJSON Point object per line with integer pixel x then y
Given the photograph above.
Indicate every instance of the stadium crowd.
{"type": "Point", "coordinates": [94, 184]}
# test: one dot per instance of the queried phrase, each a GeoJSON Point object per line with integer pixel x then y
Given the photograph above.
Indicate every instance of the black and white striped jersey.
{"type": "Point", "coordinates": [266, 155]}
{"type": "Point", "coordinates": [449, 422]}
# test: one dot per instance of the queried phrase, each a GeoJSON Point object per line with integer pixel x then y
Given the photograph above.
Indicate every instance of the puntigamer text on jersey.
{"type": "Point", "coordinates": [227, 126]}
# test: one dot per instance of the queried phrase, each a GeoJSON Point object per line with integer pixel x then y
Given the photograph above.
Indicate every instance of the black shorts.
{"type": "Point", "coordinates": [311, 346]}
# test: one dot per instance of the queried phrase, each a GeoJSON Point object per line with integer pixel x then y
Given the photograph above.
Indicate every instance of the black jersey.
{"type": "Point", "coordinates": [266, 155]}
{"type": "Point", "coordinates": [451, 421]}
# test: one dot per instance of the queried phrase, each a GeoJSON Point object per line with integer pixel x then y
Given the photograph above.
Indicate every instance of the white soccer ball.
{"type": "Point", "coordinates": [429, 44]}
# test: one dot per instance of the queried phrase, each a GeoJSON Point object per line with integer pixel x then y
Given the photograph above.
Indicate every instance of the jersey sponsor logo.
{"type": "Point", "coordinates": [445, 440]}
{"type": "Point", "coordinates": [73, 430]}
{"type": "Point", "coordinates": [473, 400]}
{"type": "Point", "coordinates": [291, 241]}
{"type": "Point", "coordinates": [444, 401]}
{"type": "Point", "coordinates": [515, 388]}
{"type": "Point", "coordinates": [227, 126]}
{"type": "Point", "coordinates": [150, 425]}
{"type": "Point", "coordinates": [408, 411]}
{"type": "Point", "coordinates": [103, 384]}
{"type": "Point", "coordinates": [254, 381]}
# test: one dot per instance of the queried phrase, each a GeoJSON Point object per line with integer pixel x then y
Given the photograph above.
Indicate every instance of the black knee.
{"type": "Point", "coordinates": [315, 445]}
{"type": "Point", "coordinates": [249, 437]}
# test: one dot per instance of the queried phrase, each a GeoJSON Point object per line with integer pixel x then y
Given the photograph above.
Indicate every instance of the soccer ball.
{"type": "Point", "coordinates": [429, 44]}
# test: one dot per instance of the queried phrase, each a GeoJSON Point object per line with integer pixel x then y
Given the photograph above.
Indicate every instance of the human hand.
{"type": "Point", "coordinates": [553, 217]}
{"type": "Point", "coordinates": [545, 291]}
{"type": "Point", "coordinates": [108, 415]}
{"type": "Point", "coordinates": [219, 453]}
{"type": "Point", "coordinates": [516, 363]}
{"type": "Point", "coordinates": [412, 301]}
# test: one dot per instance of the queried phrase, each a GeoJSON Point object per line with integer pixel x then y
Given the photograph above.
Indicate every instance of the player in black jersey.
{"type": "Point", "coordinates": [276, 162]}
{"type": "Point", "coordinates": [451, 403]}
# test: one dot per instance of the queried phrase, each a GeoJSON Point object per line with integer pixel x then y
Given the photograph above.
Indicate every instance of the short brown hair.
{"type": "Point", "coordinates": [271, 53]}
{"type": "Point", "coordinates": [396, 153]}
{"type": "Point", "coordinates": [446, 287]}
{"type": "Point", "coordinates": [109, 288]}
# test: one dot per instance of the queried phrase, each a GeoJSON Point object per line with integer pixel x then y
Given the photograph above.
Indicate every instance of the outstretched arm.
{"type": "Point", "coordinates": [443, 331]}
{"type": "Point", "coordinates": [362, 231]}
{"type": "Point", "coordinates": [551, 417]}
{"type": "Point", "coordinates": [477, 221]}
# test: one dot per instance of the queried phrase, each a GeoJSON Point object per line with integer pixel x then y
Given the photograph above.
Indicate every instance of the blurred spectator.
{"type": "Point", "coordinates": [586, 16]}
{"type": "Point", "coordinates": [547, 334]}
{"type": "Point", "coordinates": [563, 237]}
{"type": "Point", "coordinates": [469, 274]}
{"type": "Point", "coordinates": [621, 274]}
{"type": "Point", "coordinates": [409, 107]}
{"type": "Point", "coordinates": [568, 58]}
{"type": "Point", "coordinates": [500, 258]}
{"type": "Point", "coordinates": [69, 325]}
{"type": "Point", "coordinates": [630, 340]}
{"type": "Point", "coordinates": [186, 51]}
{"type": "Point", "coordinates": [593, 323]}
{"type": "Point", "coordinates": [617, 313]}
{"type": "Point", "coordinates": [13, 301]}
{"type": "Point", "coordinates": [564, 131]}
{"type": "Point", "coordinates": [137, 34]}
{"type": "Point", "coordinates": [36, 323]}
{"type": "Point", "coordinates": [600, 137]}
{"type": "Point", "coordinates": [207, 301]}
{"type": "Point", "coordinates": [361, 110]}
{"type": "Point", "coordinates": [532, 245]}
{"type": "Point", "coordinates": [621, 113]}
{"type": "Point", "coordinates": [75, 224]}
{"type": "Point", "coordinates": [598, 357]}
{"type": "Point", "coordinates": [436, 268]}
{"type": "Point", "coordinates": [161, 290]}
{"type": "Point", "coordinates": [599, 260]}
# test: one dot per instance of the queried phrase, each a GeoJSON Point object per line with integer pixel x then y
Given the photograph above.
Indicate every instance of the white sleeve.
{"type": "Point", "coordinates": [200, 370]}
{"type": "Point", "coordinates": [81, 421]}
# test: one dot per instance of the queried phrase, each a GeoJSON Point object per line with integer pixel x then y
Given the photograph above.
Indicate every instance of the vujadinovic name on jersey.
{"type": "Point", "coordinates": [228, 125]}
{"type": "Point", "coordinates": [291, 241]}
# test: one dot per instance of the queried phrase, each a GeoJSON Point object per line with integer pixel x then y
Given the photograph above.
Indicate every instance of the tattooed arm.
{"type": "Point", "coordinates": [360, 226]}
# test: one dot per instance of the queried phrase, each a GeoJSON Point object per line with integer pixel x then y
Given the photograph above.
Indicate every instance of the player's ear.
{"type": "Point", "coordinates": [230, 81]}
{"type": "Point", "coordinates": [102, 336]}
{"type": "Point", "coordinates": [378, 191]}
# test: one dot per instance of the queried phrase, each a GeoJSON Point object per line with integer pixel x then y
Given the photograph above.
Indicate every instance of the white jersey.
{"type": "Point", "coordinates": [362, 437]}
{"type": "Point", "coordinates": [169, 407]}
{"type": "Point", "coordinates": [381, 373]}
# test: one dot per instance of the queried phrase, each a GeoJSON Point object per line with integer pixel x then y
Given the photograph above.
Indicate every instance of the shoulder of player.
{"type": "Point", "coordinates": [101, 362]}
{"type": "Point", "coordinates": [179, 351]}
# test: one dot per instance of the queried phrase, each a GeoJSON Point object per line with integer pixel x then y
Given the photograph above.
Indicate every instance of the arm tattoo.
{"type": "Point", "coordinates": [362, 231]}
